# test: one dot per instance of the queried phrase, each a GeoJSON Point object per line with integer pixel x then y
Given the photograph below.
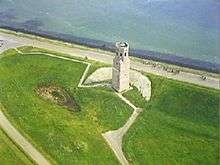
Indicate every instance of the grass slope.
{"type": "Point", "coordinates": [95, 64]}
{"type": "Point", "coordinates": [10, 154]}
{"type": "Point", "coordinates": [180, 125]}
{"type": "Point", "coordinates": [63, 136]}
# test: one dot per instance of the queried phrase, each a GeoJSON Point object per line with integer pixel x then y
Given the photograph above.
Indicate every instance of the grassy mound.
{"type": "Point", "coordinates": [64, 137]}
{"type": "Point", "coordinates": [180, 125]}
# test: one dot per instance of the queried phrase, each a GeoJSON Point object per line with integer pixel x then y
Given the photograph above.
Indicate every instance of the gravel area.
{"type": "Point", "coordinates": [141, 82]}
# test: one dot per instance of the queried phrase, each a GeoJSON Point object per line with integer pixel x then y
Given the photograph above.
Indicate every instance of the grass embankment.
{"type": "Point", "coordinates": [10, 154]}
{"type": "Point", "coordinates": [180, 125]}
{"type": "Point", "coordinates": [94, 64]}
{"type": "Point", "coordinates": [63, 136]}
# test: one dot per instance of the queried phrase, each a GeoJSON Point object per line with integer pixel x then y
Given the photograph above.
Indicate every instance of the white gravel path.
{"type": "Point", "coordinates": [142, 83]}
{"type": "Point", "coordinates": [100, 75]}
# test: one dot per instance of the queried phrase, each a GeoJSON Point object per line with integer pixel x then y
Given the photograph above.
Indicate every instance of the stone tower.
{"type": "Point", "coordinates": [121, 67]}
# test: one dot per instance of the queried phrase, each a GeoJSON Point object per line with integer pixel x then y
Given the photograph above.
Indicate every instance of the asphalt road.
{"type": "Point", "coordinates": [11, 41]}
{"type": "Point", "coordinates": [27, 147]}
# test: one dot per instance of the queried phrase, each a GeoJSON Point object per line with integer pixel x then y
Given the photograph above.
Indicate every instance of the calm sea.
{"type": "Point", "coordinates": [187, 28]}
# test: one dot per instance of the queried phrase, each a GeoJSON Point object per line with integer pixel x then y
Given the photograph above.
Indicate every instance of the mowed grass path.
{"type": "Point", "coordinates": [64, 137]}
{"type": "Point", "coordinates": [180, 125]}
{"type": "Point", "coordinates": [10, 154]}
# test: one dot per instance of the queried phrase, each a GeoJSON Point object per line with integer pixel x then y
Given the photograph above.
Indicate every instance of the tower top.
{"type": "Point", "coordinates": [122, 46]}
{"type": "Point", "coordinates": [122, 50]}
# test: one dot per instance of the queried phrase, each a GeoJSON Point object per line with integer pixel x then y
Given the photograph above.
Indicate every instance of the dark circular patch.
{"type": "Point", "coordinates": [58, 95]}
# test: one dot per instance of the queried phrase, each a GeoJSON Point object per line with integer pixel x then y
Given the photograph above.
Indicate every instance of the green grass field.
{"type": "Point", "coordinates": [180, 125]}
{"type": "Point", "coordinates": [65, 137]}
{"type": "Point", "coordinates": [10, 154]}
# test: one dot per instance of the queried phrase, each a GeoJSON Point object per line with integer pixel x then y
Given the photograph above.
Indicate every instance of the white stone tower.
{"type": "Point", "coordinates": [121, 67]}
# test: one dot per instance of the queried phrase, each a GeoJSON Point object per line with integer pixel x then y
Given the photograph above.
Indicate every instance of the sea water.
{"type": "Point", "coordinates": [187, 28]}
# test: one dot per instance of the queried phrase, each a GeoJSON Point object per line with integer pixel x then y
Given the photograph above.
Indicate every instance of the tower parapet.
{"type": "Point", "coordinates": [121, 67]}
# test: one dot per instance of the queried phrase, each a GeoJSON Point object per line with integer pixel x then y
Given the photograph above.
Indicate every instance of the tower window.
{"type": "Point", "coordinates": [120, 54]}
{"type": "Point", "coordinates": [125, 54]}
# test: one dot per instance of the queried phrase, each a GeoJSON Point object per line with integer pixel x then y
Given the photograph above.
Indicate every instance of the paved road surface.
{"type": "Point", "coordinates": [13, 41]}
{"type": "Point", "coordinates": [115, 137]}
{"type": "Point", "coordinates": [27, 147]}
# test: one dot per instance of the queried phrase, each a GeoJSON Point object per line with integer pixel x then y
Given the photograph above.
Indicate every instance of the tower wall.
{"type": "Point", "coordinates": [121, 67]}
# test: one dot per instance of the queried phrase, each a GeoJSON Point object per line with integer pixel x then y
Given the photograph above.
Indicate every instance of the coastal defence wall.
{"type": "Point", "coordinates": [144, 54]}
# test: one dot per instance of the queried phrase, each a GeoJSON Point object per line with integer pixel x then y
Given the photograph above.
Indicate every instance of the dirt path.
{"type": "Point", "coordinates": [13, 41]}
{"type": "Point", "coordinates": [27, 147]}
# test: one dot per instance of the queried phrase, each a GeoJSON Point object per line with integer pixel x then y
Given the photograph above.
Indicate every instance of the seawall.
{"type": "Point", "coordinates": [144, 54]}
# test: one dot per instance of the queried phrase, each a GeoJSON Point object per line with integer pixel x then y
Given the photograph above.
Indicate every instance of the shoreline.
{"type": "Point", "coordinates": [110, 47]}
{"type": "Point", "coordinates": [192, 76]}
